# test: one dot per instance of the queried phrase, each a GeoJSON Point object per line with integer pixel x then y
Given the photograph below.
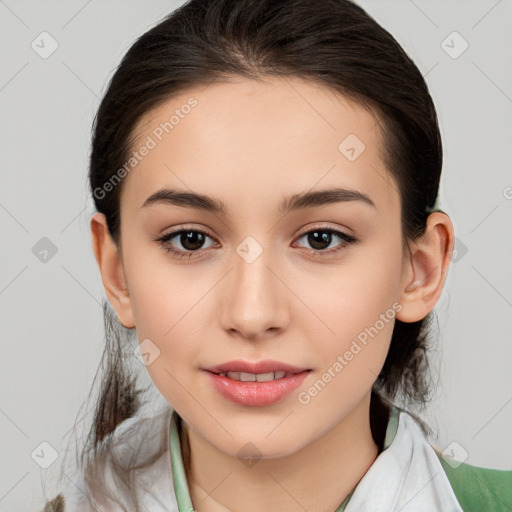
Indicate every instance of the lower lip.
{"type": "Point", "coordinates": [256, 394]}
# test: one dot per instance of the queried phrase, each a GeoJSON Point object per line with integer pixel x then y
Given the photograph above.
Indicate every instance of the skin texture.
{"type": "Point", "coordinates": [250, 144]}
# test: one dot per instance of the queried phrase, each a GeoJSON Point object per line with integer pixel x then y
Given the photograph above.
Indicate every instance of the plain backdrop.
{"type": "Point", "coordinates": [50, 302]}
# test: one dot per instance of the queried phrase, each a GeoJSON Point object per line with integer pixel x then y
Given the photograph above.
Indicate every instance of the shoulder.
{"type": "Point", "coordinates": [475, 488]}
{"type": "Point", "coordinates": [139, 446]}
{"type": "Point", "coordinates": [478, 488]}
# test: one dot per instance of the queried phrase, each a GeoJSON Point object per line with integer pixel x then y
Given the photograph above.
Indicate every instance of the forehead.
{"type": "Point", "coordinates": [255, 139]}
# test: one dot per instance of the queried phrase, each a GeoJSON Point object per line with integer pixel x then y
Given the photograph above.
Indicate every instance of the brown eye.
{"type": "Point", "coordinates": [321, 238]}
{"type": "Point", "coordinates": [191, 240]}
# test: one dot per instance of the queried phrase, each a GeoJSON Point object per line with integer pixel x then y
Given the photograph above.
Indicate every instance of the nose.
{"type": "Point", "coordinates": [254, 301]}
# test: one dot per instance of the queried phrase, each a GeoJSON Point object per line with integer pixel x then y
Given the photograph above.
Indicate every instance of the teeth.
{"type": "Point", "coordinates": [252, 377]}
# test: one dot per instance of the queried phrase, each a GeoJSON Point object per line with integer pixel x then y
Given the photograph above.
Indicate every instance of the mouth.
{"type": "Point", "coordinates": [257, 377]}
{"type": "Point", "coordinates": [256, 389]}
{"type": "Point", "coordinates": [261, 371]}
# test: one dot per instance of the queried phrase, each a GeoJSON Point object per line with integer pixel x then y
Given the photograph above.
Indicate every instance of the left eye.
{"type": "Point", "coordinates": [317, 238]}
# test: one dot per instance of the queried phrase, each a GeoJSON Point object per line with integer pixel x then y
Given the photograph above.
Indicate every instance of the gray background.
{"type": "Point", "coordinates": [51, 319]}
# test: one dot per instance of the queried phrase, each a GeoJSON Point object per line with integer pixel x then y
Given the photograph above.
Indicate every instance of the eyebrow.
{"type": "Point", "coordinates": [296, 202]}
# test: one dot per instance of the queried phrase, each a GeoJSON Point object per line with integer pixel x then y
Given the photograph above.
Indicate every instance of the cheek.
{"type": "Point", "coordinates": [355, 310]}
{"type": "Point", "coordinates": [168, 316]}
{"type": "Point", "coordinates": [347, 299]}
{"type": "Point", "coordinates": [156, 304]}
{"type": "Point", "coordinates": [171, 316]}
{"type": "Point", "coordinates": [352, 352]}
{"type": "Point", "coordinates": [169, 305]}
{"type": "Point", "coordinates": [161, 290]}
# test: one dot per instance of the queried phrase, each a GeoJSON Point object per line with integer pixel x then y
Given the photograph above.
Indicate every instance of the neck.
{"type": "Point", "coordinates": [325, 471]}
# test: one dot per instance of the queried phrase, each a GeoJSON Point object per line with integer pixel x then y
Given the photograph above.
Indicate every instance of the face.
{"type": "Point", "coordinates": [314, 286]}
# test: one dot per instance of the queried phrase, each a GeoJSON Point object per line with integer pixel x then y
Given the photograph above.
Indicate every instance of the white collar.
{"type": "Point", "coordinates": [405, 477]}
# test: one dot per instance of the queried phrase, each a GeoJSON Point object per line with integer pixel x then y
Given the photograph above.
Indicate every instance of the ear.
{"type": "Point", "coordinates": [110, 263]}
{"type": "Point", "coordinates": [426, 268]}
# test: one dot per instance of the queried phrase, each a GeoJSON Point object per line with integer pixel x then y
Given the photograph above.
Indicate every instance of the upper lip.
{"type": "Point", "coordinates": [255, 367]}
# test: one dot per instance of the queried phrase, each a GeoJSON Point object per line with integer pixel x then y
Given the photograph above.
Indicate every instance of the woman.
{"type": "Point", "coordinates": [266, 176]}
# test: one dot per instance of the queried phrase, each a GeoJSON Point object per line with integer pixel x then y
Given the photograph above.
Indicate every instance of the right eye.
{"type": "Point", "coordinates": [190, 239]}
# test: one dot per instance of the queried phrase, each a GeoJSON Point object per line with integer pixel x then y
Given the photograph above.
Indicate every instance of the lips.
{"type": "Point", "coordinates": [255, 393]}
{"type": "Point", "coordinates": [260, 367]}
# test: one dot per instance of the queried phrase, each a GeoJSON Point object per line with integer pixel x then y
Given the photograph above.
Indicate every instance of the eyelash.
{"type": "Point", "coordinates": [179, 254]}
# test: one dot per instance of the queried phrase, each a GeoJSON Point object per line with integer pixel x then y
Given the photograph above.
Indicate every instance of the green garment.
{"type": "Point", "coordinates": [480, 489]}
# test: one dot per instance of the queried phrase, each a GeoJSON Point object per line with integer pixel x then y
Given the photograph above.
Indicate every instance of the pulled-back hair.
{"type": "Point", "coordinates": [334, 43]}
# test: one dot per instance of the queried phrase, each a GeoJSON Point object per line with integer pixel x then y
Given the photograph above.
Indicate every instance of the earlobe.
{"type": "Point", "coordinates": [111, 269]}
{"type": "Point", "coordinates": [426, 269]}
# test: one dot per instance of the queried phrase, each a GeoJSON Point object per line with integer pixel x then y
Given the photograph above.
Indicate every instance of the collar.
{"type": "Point", "coordinates": [406, 476]}
{"type": "Point", "coordinates": [391, 430]}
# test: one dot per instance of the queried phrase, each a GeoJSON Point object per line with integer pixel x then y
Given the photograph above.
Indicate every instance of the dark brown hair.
{"type": "Point", "coordinates": [334, 43]}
